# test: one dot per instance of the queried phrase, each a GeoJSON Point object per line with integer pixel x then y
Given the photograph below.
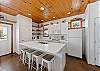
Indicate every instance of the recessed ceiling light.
{"type": "Point", "coordinates": [42, 8]}
{"type": "Point", "coordinates": [53, 17]}
{"type": "Point", "coordinates": [42, 20]}
{"type": "Point", "coordinates": [29, 14]}
{"type": "Point", "coordinates": [68, 12]}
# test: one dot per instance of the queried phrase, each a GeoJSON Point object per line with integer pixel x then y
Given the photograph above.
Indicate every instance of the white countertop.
{"type": "Point", "coordinates": [51, 47]}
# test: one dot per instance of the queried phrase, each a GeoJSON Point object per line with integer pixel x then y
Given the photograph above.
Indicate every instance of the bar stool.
{"type": "Point", "coordinates": [37, 60]}
{"type": "Point", "coordinates": [22, 55]}
{"type": "Point", "coordinates": [49, 60]}
{"type": "Point", "coordinates": [28, 57]}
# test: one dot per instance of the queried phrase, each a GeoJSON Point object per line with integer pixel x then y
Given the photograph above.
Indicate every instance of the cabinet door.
{"type": "Point", "coordinates": [50, 29]}
{"type": "Point", "coordinates": [75, 47]}
{"type": "Point", "coordinates": [64, 28]}
{"type": "Point", "coordinates": [57, 29]}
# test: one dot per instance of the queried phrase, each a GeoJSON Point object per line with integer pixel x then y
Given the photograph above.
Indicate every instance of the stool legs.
{"type": "Point", "coordinates": [22, 57]}
{"type": "Point", "coordinates": [29, 63]}
{"type": "Point", "coordinates": [49, 63]}
{"type": "Point", "coordinates": [42, 66]}
{"type": "Point", "coordinates": [37, 64]}
{"type": "Point", "coordinates": [49, 67]}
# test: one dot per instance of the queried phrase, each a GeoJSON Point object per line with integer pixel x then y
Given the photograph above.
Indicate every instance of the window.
{"type": "Point", "coordinates": [3, 32]}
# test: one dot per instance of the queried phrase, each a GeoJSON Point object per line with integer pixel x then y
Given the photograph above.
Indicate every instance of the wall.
{"type": "Point", "coordinates": [24, 26]}
{"type": "Point", "coordinates": [23, 30]}
{"type": "Point", "coordinates": [8, 16]}
{"type": "Point", "coordinates": [92, 11]}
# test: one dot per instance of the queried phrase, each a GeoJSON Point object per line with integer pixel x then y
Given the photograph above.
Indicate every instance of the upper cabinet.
{"type": "Point", "coordinates": [54, 29]}
{"type": "Point", "coordinates": [58, 28]}
{"type": "Point", "coordinates": [64, 28]}
{"type": "Point", "coordinates": [50, 27]}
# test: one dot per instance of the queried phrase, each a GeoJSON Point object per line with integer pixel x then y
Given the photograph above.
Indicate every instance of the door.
{"type": "Point", "coordinates": [5, 39]}
{"type": "Point", "coordinates": [97, 41]}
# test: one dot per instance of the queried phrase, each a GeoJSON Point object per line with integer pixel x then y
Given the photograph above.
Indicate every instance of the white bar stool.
{"type": "Point", "coordinates": [37, 60]}
{"type": "Point", "coordinates": [28, 57]}
{"type": "Point", "coordinates": [49, 60]}
{"type": "Point", "coordinates": [22, 55]}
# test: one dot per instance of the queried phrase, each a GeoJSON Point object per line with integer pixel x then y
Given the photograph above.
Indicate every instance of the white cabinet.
{"type": "Point", "coordinates": [50, 29]}
{"type": "Point", "coordinates": [91, 13]}
{"type": "Point", "coordinates": [57, 28]}
{"type": "Point", "coordinates": [64, 28]}
{"type": "Point", "coordinates": [54, 29]}
{"type": "Point", "coordinates": [60, 28]}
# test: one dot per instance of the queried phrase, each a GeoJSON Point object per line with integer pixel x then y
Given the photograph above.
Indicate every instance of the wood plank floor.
{"type": "Point", "coordinates": [12, 63]}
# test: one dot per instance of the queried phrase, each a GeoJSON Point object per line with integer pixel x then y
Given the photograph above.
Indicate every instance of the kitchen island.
{"type": "Point", "coordinates": [57, 49]}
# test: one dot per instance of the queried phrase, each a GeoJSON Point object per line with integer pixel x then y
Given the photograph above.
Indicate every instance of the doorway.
{"type": "Point", "coordinates": [6, 38]}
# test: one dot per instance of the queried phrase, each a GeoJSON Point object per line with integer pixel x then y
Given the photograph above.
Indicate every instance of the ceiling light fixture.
{"type": "Point", "coordinates": [68, 13]}
{"type": "Point", "coordinates": [29, 14]}
{"type": "Point", "coordinates": [42, 20]}
{"type": "Point", "coordinates": [53, 17]}
{"type": "Point", "coordinates": [42, 8]}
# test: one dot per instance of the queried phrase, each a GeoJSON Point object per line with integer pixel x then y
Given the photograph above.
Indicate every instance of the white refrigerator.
{"type": "Point", "coordinates": [75, 42]}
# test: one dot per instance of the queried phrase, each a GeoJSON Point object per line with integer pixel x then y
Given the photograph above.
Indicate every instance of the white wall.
{"type": "Point", "coordinates": [24, 26]}
{"type": "Point", "coordinates": [23, 30]}
{"type": "Point", "coordinates": [11, 18]}
{"type": "Point", "coordinates": [92, 11]}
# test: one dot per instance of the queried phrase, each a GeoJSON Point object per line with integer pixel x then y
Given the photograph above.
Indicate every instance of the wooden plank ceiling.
{"type": "Point", "coordinates": [56, 8]}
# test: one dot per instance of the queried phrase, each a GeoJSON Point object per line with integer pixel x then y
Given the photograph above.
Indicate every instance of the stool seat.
{"type": "Point", "coordinates": [38, 53]}
{"type": "Point", "coordinates": [30, 50]}
{"type": "Point", "coordinates": [25, 49]}
{"type": "Point", "coordinates": [48, 57]}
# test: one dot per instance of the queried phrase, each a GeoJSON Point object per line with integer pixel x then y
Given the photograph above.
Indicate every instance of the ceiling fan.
{"type": "Point", "coordinates": [45, 9]}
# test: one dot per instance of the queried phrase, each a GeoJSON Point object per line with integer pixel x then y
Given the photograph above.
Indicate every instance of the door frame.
{"type": "Point", "coordinates": [12, 51]}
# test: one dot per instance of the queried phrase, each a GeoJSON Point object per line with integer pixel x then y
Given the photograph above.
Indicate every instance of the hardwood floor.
{"type": "Point", "coordinates": [12, 63]}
